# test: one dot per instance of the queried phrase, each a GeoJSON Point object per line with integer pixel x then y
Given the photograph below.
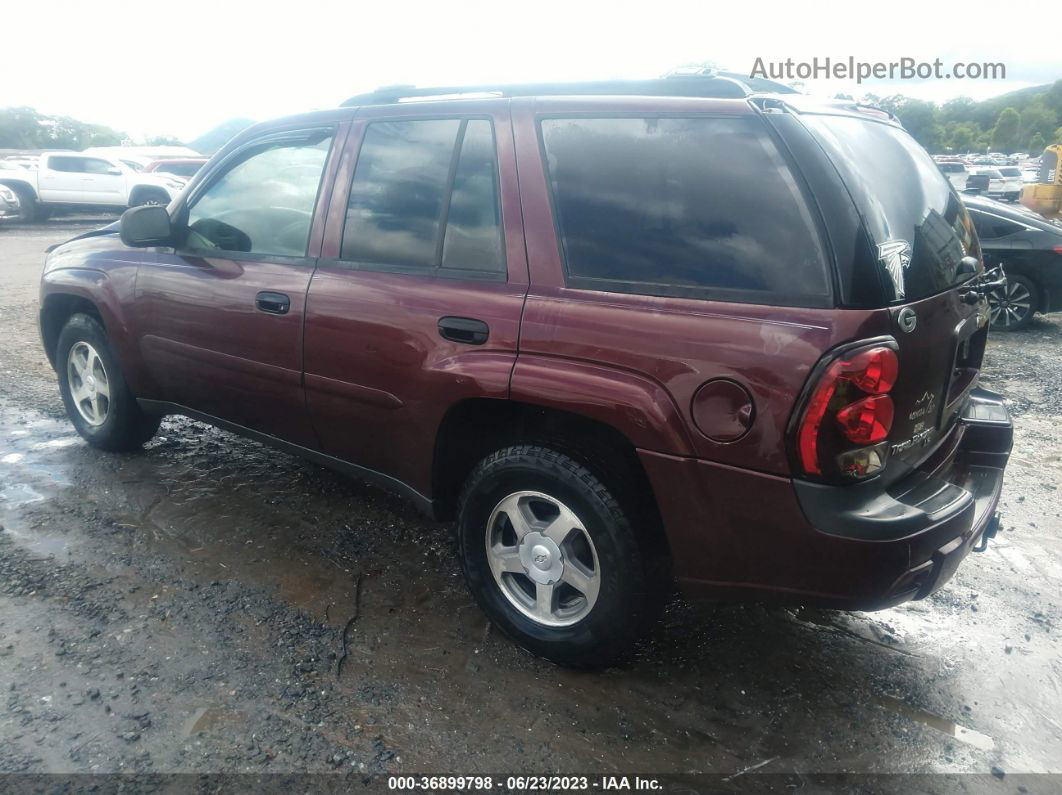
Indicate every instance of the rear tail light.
{"type": "Point", "coordinates": [868, 420]}
{"type": "Point", "coordinates": [849, 414]}
{"type": "Point", "coordinates": [1058, 249]}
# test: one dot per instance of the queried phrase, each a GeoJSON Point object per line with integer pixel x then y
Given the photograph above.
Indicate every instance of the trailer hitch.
{"type": "Point", "coordinates": [989, 532]}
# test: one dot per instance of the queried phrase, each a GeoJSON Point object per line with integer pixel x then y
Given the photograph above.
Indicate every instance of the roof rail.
{"type": "Point", "coordinates": [676, 86]}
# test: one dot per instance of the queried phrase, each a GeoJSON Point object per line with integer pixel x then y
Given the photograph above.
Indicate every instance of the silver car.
{"type": "Point", "coordinates": [9, 207]}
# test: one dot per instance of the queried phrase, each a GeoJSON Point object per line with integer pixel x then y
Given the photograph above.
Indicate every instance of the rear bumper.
{"type": "Point", "coordinates": [855, 547]}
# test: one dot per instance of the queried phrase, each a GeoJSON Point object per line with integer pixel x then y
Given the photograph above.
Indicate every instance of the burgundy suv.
{"type": "Point", "coordinates": [625, 333]}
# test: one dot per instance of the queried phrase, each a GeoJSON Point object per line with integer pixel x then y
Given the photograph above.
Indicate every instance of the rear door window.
{"type": "Point", "coordinates": [69, 165]}
{"type": "Point", "coordinates": [424, 198]}
{"type": "Point", "coordinates": [695, 206]}
{"type": "Point", "coordinates": [990, 227]}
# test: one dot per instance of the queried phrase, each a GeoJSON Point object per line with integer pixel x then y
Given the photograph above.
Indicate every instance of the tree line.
{"type": "Point", "coordinates": [1022, 121]}
{"type": "Point", "coordinates": [25, 128]}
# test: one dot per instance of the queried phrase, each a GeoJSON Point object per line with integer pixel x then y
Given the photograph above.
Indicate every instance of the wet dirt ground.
{"type": "Point", "coordinates": [211, 605]}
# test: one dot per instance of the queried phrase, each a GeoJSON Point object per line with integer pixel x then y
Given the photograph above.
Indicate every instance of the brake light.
{"type": "Point", "coordinates": [1058, 250]}
{"type": "Point", "coordinates": [868, 420]}
{"type": "Point", "coordinates": [853, 388]}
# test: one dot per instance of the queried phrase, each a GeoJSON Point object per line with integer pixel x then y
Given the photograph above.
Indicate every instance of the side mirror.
{"type": "Point", "coordinates": [145, 226]}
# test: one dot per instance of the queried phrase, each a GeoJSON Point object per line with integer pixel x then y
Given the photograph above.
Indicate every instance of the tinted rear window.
{"type": "Point", "coordinates": [914, 217]}
{"type": "Point", "coordinates": [694, 206]}
{"type": "Point", "coordinates": [425, 198]}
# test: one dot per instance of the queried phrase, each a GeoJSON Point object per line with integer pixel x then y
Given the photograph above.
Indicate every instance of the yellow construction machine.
{"type": "Point", "coordinates": [1045, 195]}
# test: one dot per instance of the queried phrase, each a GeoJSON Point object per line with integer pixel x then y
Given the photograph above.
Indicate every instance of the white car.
{"type": "Point", "coordinates": [955, 172]}
{"type": "Point", "coordinates": [996, 183]}
{"type": "Point", "coordinates": [75, 180]}
{"type": "Point", "coordinates": [1012, 182]}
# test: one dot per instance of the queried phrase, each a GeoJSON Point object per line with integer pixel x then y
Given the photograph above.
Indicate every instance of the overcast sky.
{"type": "Point", "coordinates": [179, 68]}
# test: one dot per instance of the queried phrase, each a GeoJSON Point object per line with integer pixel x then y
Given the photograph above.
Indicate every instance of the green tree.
{"type": "Point", "coordinates": [1036, 144]}
{"type": "Point", "coordinates": [20, 128]}
{"type": "Point", "coordinates": [1036, 119]}
{"type": "Point", "coordinates": [1057, 137]}
{"type": "Point", "coordinates": [964, 136]}
{"type": "Point", "coordinates": [25, 128]}
{"type": "Point", "coordinates": [959, 109]}
{"type": "Point", "coordinates": [1007, 130]}
{"type": "Point", "coordinates": [163, 140]}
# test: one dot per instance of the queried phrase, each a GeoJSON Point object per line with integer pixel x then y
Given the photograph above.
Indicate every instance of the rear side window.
{"type": "Point", "coordinates": [989, 226]}
{"type": "Point", "coordinates": [71, 165]}
{"type": "Point", "coordinates": [424, 198]}
{"type": "Point", "coordinates": [693, 206]}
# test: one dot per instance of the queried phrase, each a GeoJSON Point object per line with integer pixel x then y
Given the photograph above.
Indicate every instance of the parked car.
{"type": "Point", "coordinates": [8, 204]}
{"type": "Point", "coordinates": [623, 333]}
{"type": "Point", "coordinates": [955, 171]}
{"type": "Point", "coordinates": [1030, 250]}
{"type": "Point", "coordinates": [1012, 182]}
{"type": "Point", "coordinates": [20, 161]}
{"type": "Point", "coordinates": [997, 186]}
{"type": "Point", "coordinates": [185, 167]}
{"type": "Point", "coordinates": [73, 180]}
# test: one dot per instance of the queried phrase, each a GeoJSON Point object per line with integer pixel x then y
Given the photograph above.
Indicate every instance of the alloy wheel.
{"type": "Point", "coordinates": [90, 389]}
{"type": "Point", "coordinates": [543, 559]}
{"type": "Point", "coordinates": [1010, 305]}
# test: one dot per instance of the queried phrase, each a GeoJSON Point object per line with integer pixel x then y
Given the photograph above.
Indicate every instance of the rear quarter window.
{"type": "Point", "coordinates": [919, 227]}
{"type": "Point", "coordinates": [703, 207]}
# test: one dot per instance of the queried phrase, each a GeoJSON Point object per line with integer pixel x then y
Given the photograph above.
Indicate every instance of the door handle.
{"type": "Point", "coordinates": [464, 329]}
{"type": "Point", "coordinates": [273, 303]}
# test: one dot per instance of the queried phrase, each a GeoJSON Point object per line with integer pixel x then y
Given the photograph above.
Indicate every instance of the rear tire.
{"type": "Point", "coordinates": [95, 394]}
{"type": "Point", "coordinates": [581, 583]}
{"type": "Point", "coordinates": [28, 208]}
{"type": "Point", "coordinates": [1012, 307]}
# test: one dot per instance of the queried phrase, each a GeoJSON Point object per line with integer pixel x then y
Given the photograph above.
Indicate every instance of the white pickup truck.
{"type": "Point", "coordinates": [75, 180]}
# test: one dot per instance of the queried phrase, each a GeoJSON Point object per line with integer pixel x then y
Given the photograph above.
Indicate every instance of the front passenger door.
{"type": "Point", "coordinates": [220, 316]}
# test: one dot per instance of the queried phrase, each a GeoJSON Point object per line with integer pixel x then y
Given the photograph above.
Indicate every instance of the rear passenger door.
{"type": "Point", "coordinates": [62, 178]}
{"type": "Point", "coordinates": [415, 304]}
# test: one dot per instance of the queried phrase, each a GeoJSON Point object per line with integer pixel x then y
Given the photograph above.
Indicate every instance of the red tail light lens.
{"type": "Point", "coordinates": [867, 421]}
{"type": "Point", "coordinates": [864, 417]}
{"type": "Point", "coordinates": [874, 370]}
{"type": "Point", "coordinates": [1058, 249]}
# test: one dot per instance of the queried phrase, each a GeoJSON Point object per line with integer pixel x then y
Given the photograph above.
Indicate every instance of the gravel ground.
{"type": "Point", "coordinates": [214, 606]}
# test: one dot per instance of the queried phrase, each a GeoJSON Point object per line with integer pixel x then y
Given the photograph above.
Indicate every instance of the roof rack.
{"type": "Point", "coordinates": [673, 86]}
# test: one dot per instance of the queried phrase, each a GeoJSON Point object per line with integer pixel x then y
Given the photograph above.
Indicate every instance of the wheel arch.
{"type": "Point", "coordinates": [56, 310]}
{"type": "Point", "coordinates": [20, 186]}
{"type": "Point", "coordinates": [476, 427]}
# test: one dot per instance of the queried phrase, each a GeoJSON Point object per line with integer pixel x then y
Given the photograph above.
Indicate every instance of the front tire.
{"type": "Point", "coordinates": [554, 560]}
{"type": "Point", "coordinates": [95, 394]}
